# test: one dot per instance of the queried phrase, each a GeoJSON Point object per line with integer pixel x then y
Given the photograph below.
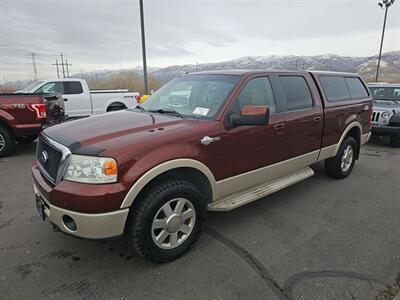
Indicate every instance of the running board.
{"type": "Point", "coordinates": [235, 200]}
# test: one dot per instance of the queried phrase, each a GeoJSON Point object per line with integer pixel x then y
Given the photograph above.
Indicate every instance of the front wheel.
{"type": "Point", "coordinates": [6, 142]}
{"type": "Point", "coordinates": [167, 220]}
{"type": "Point", "coordinates": [342, 164]}
{"type": "Point", "coordinates": [395, 140]}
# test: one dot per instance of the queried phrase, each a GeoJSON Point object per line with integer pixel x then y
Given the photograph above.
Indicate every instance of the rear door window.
{"type": "Point", "coordinates": [356, 88]}
{"type": "Point", "coordinates": [335, 88]}
{"type": "Point", "coordinates": [72, 88]}
{"type": "Point", "coordinates": [296, 92]}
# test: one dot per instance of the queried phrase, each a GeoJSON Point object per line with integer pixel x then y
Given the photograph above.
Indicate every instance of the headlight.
{"type": "Point", "coordinates": [91, 169]}
{"type": "Point", "coordinates": [385, 115]}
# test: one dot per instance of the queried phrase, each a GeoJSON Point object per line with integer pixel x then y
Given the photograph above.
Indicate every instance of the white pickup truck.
{"type": "Point", "coordinates": [79, 101]}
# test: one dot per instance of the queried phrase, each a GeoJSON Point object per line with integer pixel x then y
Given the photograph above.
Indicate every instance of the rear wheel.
{"type": "Point", "coordinates": [167, 220]}
{"type": "Point", "coordinates": [395, 140]}
{"type": "Point", "coordinates": [116, 106]}
{"type": "Point", "coordinates": [342, 164]}
{"type": "Point", "coordinates": [6, 142]}
{"type": "Point", "coordinates": [26, 139]}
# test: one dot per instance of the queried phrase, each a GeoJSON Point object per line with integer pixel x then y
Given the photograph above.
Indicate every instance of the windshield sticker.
{"type": "Point", "coordinates": [202, 111]}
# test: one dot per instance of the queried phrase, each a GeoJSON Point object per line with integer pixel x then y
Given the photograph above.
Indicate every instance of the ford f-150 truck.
{"type": "Point", "coordinates": [231, 138]}
{"type": "Point", "coordinates": [80, 101]}
{"type": "Point", "coordinates": [386, 111]}
{"type": "Point", "coordinates": [22, 117]}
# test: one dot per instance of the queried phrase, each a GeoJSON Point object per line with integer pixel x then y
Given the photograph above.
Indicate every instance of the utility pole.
{"type": "Point", "coordinates": [146, 88]}
{"type": "Point", "coordinates": [67, 64]}
{"type": "Point", "coordinates": [35, 74]}
{"type": "Point", "coordinates": [385, 4]}
{"type": "Point", "coordinates": [62, 65]}
{"type": "Point", "coordinates": [58, 72]}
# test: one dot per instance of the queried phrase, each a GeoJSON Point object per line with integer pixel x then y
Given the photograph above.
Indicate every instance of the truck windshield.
{"type": "Point", "coordinates": [194, 96]}
{"type": "Point", "coordinates": [32, 87]}
{"type": "Point", "coordinates": [386, 93]}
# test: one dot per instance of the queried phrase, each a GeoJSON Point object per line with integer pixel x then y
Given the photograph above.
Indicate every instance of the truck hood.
{"type": "Point", "coordinates": [123, 134]}
{"type": "Point", "coordinates": [386, 105]}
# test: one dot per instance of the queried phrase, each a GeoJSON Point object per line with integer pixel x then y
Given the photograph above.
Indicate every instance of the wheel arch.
{"type": "Point", "coordinates": [188, 169]}
{"type": "Point", "coordinates": [354, 129]}
{"type": "Point", "coordinates": [115, 102]}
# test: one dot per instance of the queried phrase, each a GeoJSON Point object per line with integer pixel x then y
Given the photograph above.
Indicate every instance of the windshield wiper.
{"type": "Point", "coordinates": [167, 111]}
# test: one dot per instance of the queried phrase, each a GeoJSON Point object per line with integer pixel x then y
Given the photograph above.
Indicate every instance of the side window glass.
{"type": "Point", "coordinates": [52, 87]}
{"type": "Point", "coordinates": [335, 88]}
{"type": "Point", "coordinates": [73, 88]}
{"type": "Point", "coordinates": [356, 88]}
{"type": "Point", "coordinates": [257, 92]}
{"type": "Point", "coordinates": [297, 92]}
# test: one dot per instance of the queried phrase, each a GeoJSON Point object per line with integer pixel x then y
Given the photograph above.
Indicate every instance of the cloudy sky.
{"type": "Point", "coordinates": [105, 34]}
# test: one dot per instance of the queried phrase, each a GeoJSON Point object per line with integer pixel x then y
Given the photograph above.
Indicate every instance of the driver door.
{"type": "Point", "coordinates": [244, 152]}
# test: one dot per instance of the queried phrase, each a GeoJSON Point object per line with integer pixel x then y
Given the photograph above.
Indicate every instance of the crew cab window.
{"type": "Point", "coordinates": [356, 88]}
{"type": "Point", "coordinates": [72, 87]}
{"type": "Point", "coordinates": [335, 88]}
{"type": "Point", "coordinates": [52, 87]}
{"type": "Point", "coordinates": [297, 93]}
{"type": "Point", "coordinates": [257, 92]}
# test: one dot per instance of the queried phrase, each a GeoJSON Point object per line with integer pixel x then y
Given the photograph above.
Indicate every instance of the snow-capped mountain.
{"type": "Point", "coordinates": [365, 66]}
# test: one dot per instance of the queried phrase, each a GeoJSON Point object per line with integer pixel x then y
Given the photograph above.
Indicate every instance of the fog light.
{"type": "Point", "coordinates": [69, 222]}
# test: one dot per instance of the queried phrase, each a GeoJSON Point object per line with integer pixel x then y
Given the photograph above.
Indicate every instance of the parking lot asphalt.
{"type": "Point", "coordinates": [319, 239]}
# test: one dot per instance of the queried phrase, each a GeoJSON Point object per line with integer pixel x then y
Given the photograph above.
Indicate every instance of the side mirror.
{"type": "Point", "coordinates": [251, 116]}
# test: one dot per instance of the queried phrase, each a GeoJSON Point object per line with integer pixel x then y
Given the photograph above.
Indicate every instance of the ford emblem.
{"type": "Point", "coordinates": [44, 157]}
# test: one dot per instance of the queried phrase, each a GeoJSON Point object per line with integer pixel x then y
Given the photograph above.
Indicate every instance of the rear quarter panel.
{"type": "Point", "coordinates": [16, 113]}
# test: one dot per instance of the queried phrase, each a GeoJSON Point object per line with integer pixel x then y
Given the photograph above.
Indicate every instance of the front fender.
{"type": "Point", "coordinates": [149, 167]}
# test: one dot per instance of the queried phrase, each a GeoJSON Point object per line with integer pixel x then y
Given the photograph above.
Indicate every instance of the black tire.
{"type": "Point", "coordinates": [138, 228]}
{"type": "Point", "coordinates": [116, 107]}
{"type": "Point", "coordinates": [7, 141]}
{"type": "Point", "coordinates": [395, 140]}
{"type": "Point", "coordinates": [26, 139]}
{"type": "Point", "coordinates": [333, 166]}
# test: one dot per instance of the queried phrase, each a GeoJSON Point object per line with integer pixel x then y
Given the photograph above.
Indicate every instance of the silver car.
{"type": "Point", "coordinates": [385, 119]}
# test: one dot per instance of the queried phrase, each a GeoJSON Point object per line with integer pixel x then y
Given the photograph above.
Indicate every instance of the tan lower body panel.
{"type": "Point", "coordinates": [252, 194]}
{"type": "Point", "coordinates": [91, 226]}
{"type": "Point", "coordinates": [242, 182]}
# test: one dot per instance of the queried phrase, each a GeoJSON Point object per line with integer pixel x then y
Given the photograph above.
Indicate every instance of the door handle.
{"type": "Point", "coordinates": [279, 126]}
{"type": "Point", "coordinates": [65, 99]}
{"type": "Point", "coordinates": [317, 119]}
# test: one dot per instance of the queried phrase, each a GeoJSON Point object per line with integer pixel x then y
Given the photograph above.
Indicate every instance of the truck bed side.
{"type": "Point", "coordinates": [341, 115]}
{"type": "Point", "coordinates": [23, 114]}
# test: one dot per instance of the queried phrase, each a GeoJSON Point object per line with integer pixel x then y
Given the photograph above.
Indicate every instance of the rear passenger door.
{"type": "Point", "coordinates": [302, 117]}
{"type": "Point", "coordinates": [77, 103]}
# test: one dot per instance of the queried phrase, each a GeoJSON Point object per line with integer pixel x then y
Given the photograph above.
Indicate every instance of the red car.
{"type": "Point", "coordinates": [233, 137]}
{"type": "Point", "coordinates": [22, 117]}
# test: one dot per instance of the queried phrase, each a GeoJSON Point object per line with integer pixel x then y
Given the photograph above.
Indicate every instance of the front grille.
{"type": "Point", "coordinates": [375, 117]}
{"type": "Point", "coordinates": [50, 164]}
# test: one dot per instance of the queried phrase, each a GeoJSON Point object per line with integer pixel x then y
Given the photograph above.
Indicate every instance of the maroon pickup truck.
{"type": "Point", "coordinates": [22, 117]}
{"type": "Point", "coordinates": [205, 141]}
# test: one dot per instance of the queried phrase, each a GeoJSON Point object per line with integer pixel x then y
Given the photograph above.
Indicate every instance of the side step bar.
{"type": "Point", "coordinates": [235, 200]}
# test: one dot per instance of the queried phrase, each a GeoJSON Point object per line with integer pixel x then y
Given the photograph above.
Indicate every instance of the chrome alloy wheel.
{"type": "Point", "coordinates": [2, 142]}
{"type": "Point", "coordinates": [173, 223]}
{"type": "Point", "coordinates": [347, 158]}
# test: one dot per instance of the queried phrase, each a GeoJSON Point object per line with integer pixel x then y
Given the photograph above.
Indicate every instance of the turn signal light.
{"type": "Point", "coordinates": [110, 167]}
